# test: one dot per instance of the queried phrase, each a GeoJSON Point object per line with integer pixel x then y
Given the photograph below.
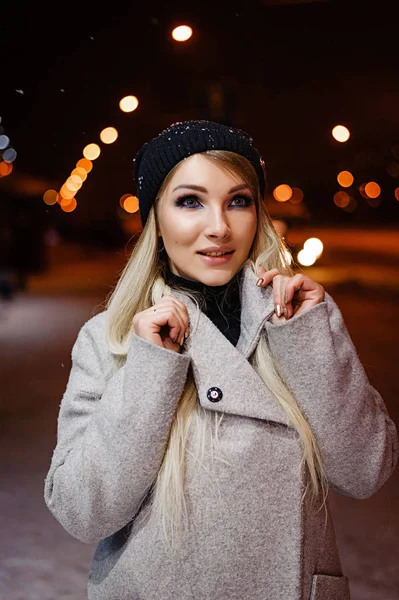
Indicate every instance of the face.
{"type": "Point", "coordinates": [207, 219]}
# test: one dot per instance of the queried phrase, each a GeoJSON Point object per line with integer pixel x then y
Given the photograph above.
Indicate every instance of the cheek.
{"type": "Point", "coordinates": [246, 229]}
{"type": "Point", "coordinates": [178, 231]}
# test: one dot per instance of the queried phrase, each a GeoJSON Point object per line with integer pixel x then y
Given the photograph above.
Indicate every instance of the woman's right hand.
{"type": "Point", "coordinates": [165, 324]}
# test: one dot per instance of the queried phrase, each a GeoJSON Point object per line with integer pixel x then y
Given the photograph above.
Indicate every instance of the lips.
{"type": "Point", "coordinates": [216, 253]}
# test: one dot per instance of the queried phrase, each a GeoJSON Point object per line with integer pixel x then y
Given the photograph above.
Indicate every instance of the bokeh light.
{"type": "Point", "coordinates": [282, 192]}
{"type": "Point", "coordinates": [9, 155]}
{"type": "Point", "coordinates": [297, 195]}
{"type": "Point", "coordinates": [85, 163]}
{"type": "Point", "coordinates": [341, 199]}
{"type": "Point", "coordinates": [70, 206]}
{"type": "Point", "coordinates": [182, 33]}
{"type": "Point", "coordinates": [123, 198]}
{"type": "Point", "coordinates": [341, 133]}
{"type": "Point", "coordinates": [314, 246]}
{"type": "Point", "coordinates": [80, 172]}
{"type": "Point", "coordinates": [306, 258]}
{"type": "Point", "coordinates": [372, 189]}
{"type": "Point", "coordinates": [91, 151]}
{"type": "Point", "coordinates": [108, 135]}
{"type": "Point", "coordinates": [5, 168]}
{"type": "Point", "coordinates": [131, 204]}
{"type": "Point", "coordinates": [345, 178]}
{"type": "Point", "coordinates": [50, 197]}
{"type": "Point", "coordinates": [73, 183]}
{"type": "Point", "coordinates": [128, 104]}
{"type": "Point", "coordinates": [66, 193]}
{"type": "Point", "coordinates": [397, 193]}
{"type": "Point", "coordinates": [4, 141]}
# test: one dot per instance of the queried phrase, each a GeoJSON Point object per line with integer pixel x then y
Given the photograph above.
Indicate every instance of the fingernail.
{"type": "Point", "coordinates": [182, 341]}
{"type": "Point", "coordinates": [260, 281]}
{"type": "Point", "coordinates": [285, 298]}
{"type": "Point", "coordinates": [279, 311]}
{"type": "Point", "coordinates": [286, 313]}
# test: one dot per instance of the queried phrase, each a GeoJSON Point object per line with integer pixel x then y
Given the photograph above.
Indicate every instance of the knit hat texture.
{"type": "Point", "coordinates": [178, 141]}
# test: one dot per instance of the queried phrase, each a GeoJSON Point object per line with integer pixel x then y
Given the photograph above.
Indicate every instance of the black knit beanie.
{"type": "Point", "coordinates": [157, 157]}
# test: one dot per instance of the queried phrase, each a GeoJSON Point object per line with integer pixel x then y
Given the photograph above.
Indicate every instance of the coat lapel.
{"type": "Point", "coordinates": [217, 364]}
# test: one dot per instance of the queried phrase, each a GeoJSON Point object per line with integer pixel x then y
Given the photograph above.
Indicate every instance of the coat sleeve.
{"type": "Point", "coordinates": [317, 359]}
{"type": "Point", "coordinates": [112, 433]}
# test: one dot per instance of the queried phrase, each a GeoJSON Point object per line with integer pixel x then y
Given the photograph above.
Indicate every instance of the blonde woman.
{"type": "Point", "coordinates": [215, 400]}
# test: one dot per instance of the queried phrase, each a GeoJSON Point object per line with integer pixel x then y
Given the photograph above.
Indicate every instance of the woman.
{"type": "Point", "coordinates": [215, 400]}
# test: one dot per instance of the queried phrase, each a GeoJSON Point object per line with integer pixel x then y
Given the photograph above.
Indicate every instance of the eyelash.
{"type": "Point", "coordinates": [181, 201]}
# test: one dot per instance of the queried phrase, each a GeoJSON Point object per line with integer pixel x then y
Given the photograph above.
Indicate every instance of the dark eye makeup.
{"type": "Point", "coordinates": [192, 201]}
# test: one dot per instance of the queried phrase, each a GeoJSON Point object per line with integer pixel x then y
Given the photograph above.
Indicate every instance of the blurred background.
{"type": "Point", "coordinates": [316, 84]}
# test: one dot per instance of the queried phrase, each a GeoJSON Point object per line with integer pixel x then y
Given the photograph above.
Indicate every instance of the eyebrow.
{"type": "Point", "coordinates": [200, 188]}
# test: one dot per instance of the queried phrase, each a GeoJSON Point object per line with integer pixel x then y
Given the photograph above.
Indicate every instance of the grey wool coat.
{"type": "Point", "coordinates": [251, 533]}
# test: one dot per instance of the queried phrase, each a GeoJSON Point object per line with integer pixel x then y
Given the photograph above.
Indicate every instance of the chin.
{"type": "Point", "coordinates": [216, 278]}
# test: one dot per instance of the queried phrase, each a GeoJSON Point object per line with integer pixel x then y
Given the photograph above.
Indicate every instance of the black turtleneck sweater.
{"type": "Point", "coordinates": [220, 303]}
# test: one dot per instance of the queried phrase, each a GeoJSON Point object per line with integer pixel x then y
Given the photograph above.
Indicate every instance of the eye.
{"type": "Point", "coordinates": [188, 201]}
{"type": "Point", "coordinates": [241, 201]}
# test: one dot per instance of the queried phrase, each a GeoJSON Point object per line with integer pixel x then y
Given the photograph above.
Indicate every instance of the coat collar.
{"type": "Point", "coordinates": [216, 363]}
{"type": "Point", "coordinates": [256, 307]}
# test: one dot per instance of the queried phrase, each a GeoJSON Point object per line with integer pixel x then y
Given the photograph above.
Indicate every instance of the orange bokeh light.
{"type": "Point", "coordinates": [345, 178]}
{"type": "Point", "coordinates": [66, 193]}
{"type": "Point", "coordinates": [341, 199]}
{"type": "Point", "coordinates": [131, 204]}
{"type": "Point", "coordinates": [5, 168]}
{"type": "Point", "coordinates": [50, 197]}
{"type": "Point", "coordinates": [297, 195]}
{"type": "Point", "coordinates": [108, 135]}
{"type": "Point", "coordinates": [372, 189]}
{"type": "Point", "coordinates": [70, 206]}
{"type": "Point", "coordinates": [85, 164]}
{"type": "Point", "coordinates": [80, 172]}
{"type": "Point", "coordinates": [282, 192]}
{"type": "Point", "coordinates": [91, 151]}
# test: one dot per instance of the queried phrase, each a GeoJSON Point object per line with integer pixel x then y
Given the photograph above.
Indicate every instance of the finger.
{"type": "Point", "coordinates": [181, 308]}
{"type": "Point", "coordinates": [168, 318]}
{"type": "Point", "coordinates": [292, 286]}
{"type": "Point", "coordinates": [177, 318]}
{"type": "Point", "coordinates": [278, 290]}
{"type": "Point", "coordinates": [279, 283]}
{"type": "Point", "coordinates": [266, 277]}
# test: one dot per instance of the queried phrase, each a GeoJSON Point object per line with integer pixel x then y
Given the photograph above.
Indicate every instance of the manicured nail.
{"type": "Point", "coordinates": [286, 313]}
{"type": "Point", "coordinates": [260, 281]}
{"type": "Point", "coordinates": [279, 311]}
{"type": "Point", "coordinates": [285, 298]}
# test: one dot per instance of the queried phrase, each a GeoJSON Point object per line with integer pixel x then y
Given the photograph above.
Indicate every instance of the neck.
{"type": "Point", "coordinates": [221, 303]}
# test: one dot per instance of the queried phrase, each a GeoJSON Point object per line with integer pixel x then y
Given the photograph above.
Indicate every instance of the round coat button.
{"type": "Point", "coordinates": [214, 394]}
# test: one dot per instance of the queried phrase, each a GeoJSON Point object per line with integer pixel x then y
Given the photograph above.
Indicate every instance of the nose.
{"type": "Point", "coordinates": [217, 225]}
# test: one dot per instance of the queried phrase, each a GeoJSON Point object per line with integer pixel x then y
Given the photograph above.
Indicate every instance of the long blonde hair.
{"type": "Point", "coordinates": [195, 430]}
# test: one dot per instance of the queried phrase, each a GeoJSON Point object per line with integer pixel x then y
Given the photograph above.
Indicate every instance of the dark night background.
{"type": "Point", "coordinates": [287, 72]}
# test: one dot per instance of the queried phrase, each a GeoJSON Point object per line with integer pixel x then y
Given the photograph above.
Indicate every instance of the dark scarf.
{"type": "Point", "coordinates": [220, 303]}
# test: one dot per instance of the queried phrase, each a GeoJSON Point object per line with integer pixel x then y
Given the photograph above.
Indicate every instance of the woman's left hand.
{"type": "Point", "coordinates": [292, 295]}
